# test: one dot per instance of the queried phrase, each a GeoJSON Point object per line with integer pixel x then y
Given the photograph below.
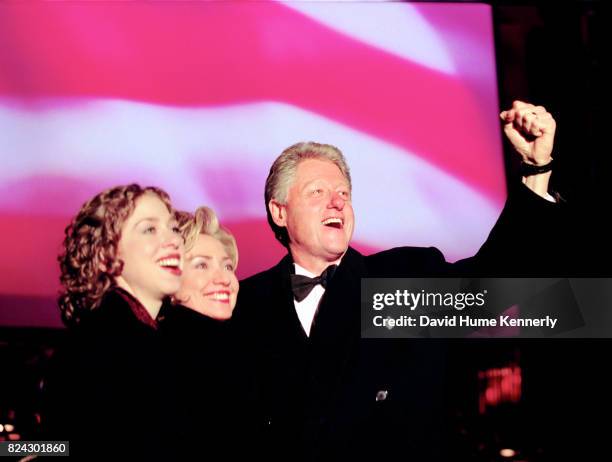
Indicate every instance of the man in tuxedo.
{"type": "Point", "coordinates": [324, 392]}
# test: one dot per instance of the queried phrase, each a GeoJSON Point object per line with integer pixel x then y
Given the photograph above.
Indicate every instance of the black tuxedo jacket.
{"type": "Point", "coordinates": [112, 388]}
{"type": "Point", "coordinates": [334, 394]}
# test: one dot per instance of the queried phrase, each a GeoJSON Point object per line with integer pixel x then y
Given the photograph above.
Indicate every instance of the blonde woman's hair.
{"type": "Point", "coordinates": [205, 221]}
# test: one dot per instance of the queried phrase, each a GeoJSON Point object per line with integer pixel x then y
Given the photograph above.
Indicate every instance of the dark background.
{"type": "Point", "coordinates": [550, 54]}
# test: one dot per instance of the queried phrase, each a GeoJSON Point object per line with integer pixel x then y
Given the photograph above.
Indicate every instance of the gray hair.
{"type": "Point", "coordinates": [283, 171]}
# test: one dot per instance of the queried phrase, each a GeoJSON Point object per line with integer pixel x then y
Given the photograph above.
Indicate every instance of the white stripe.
{"type": "Point", "coordinates": [398, 28]}
{"type": "Point", "coordinates": [221, 156]}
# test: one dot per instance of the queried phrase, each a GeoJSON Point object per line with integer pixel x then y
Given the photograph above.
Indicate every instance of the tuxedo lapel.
{"type": "Point", "coordinates": [335, 334]}
{"type": "Point", "coordinates": [285, 315]}
{"type": "Point", "coordinates": [339, 308]}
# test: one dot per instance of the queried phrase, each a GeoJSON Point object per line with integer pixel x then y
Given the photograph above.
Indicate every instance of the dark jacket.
{"type": "Point", "coordinates": [112, 386]}
{"type": "Point", "coordinates": [334, 394]}
{"type": "Point", "coordinates": [216, 387]}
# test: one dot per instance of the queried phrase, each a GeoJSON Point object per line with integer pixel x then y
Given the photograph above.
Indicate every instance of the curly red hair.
{"type": "Point", "coordinates": [88, 260]}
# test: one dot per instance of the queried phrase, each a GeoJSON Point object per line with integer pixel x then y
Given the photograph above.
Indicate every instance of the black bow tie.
{"type": "Point", "coordinates": [303, 285]}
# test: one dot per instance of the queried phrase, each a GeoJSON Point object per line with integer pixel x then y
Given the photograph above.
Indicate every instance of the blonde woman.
{"type": "Point", "coordinates": [209, 284]}
{"type": "Point", "coordinates": [216, 383]}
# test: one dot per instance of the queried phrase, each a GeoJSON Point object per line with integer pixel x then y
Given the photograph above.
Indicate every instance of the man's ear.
{"type": "Point", "coordinates": [278, 212]}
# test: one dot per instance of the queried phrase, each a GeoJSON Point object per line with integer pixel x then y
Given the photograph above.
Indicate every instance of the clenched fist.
{"type": "Point", "coordinates": [531, 130]}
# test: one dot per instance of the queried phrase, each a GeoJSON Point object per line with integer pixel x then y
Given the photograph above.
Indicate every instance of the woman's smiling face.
{"type": "Point", "coordinates": [209, 284]}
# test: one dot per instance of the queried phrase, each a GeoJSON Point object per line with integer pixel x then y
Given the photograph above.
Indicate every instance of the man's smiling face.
{"type": "Point", "coordinates": [318, 214]}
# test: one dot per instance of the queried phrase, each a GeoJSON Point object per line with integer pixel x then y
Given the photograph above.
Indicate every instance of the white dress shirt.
{"type": "Point", "coordinates": [307, 308]}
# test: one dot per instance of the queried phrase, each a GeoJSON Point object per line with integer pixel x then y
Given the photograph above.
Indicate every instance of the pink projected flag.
{"type": "Point", "coordinates": [200, 97]}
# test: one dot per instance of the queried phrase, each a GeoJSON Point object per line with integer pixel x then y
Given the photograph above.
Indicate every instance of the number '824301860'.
{"type": "Point", "coordinates": [27, 448]}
